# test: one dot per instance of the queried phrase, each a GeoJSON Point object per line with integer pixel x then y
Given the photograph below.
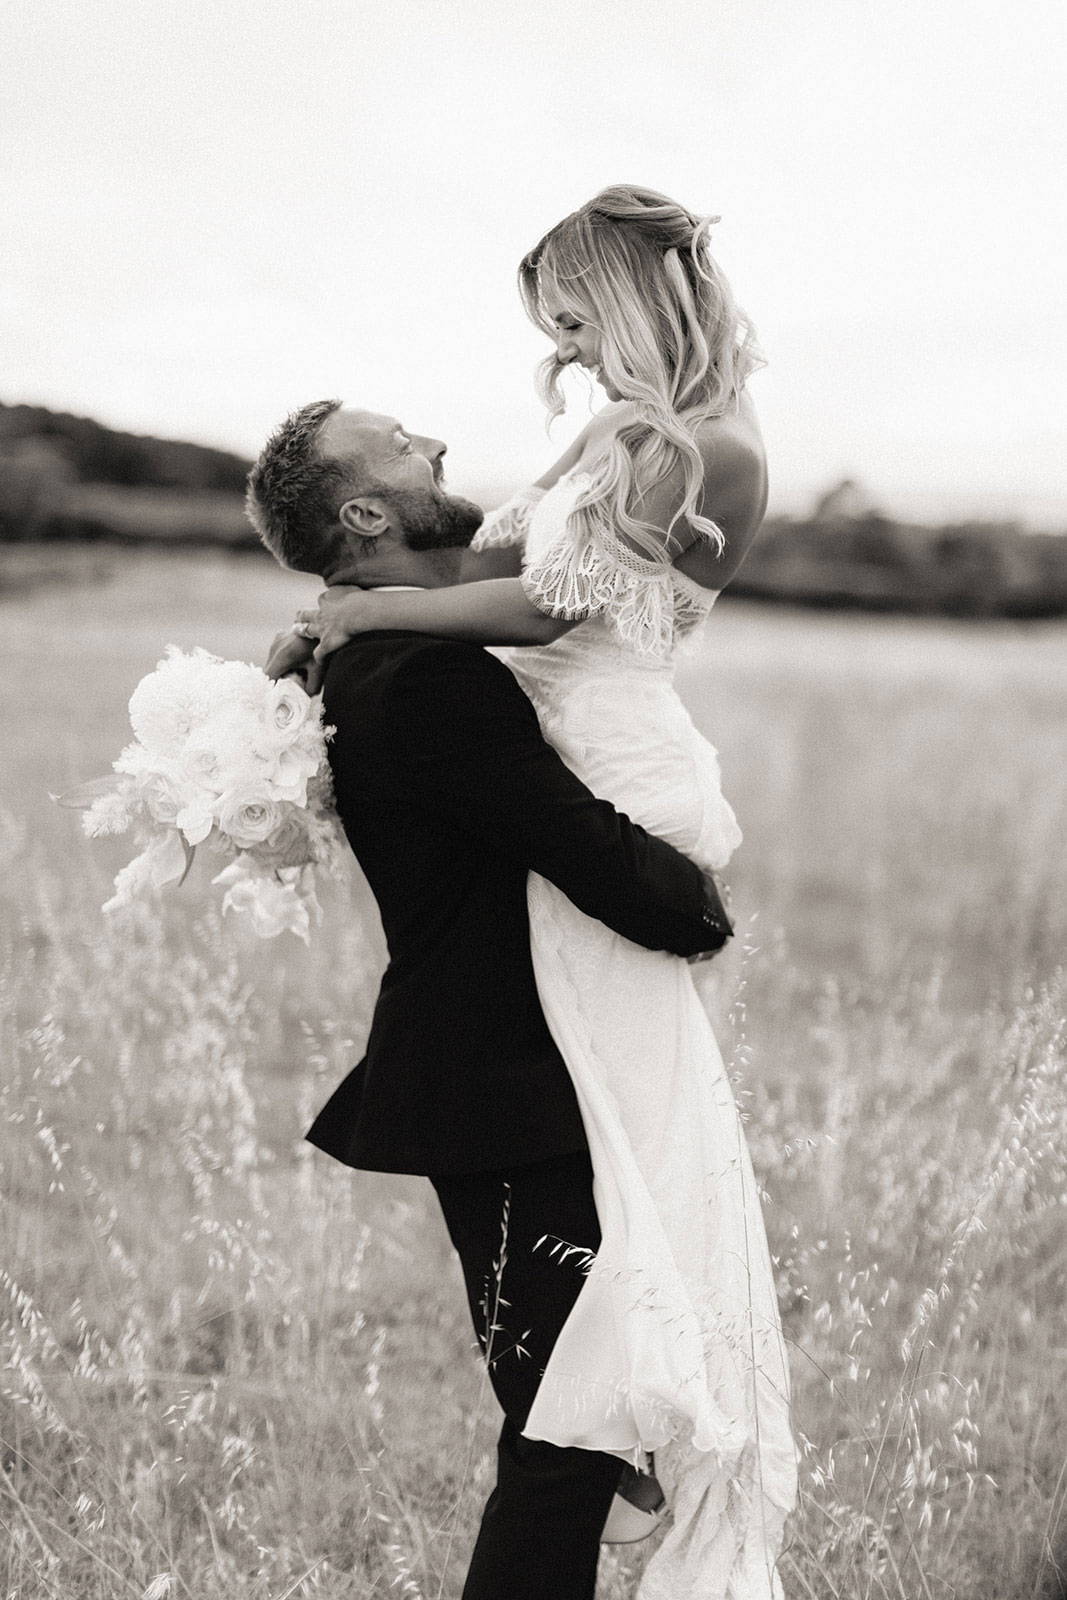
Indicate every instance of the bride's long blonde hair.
{"type": "Point", "coordinates": [638, 267]}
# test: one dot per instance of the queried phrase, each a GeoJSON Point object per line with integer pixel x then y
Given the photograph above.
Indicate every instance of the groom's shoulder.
{"type": "Point", "coordinates": [414, 670]}
{"type": "Point", "coordinates": [449, 675]}
{"type": "Point", "coordinates": [386, 656]}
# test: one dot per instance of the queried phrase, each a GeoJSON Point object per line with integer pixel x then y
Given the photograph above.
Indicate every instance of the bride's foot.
{"type": "Point", "coordinates": [637, 1509]}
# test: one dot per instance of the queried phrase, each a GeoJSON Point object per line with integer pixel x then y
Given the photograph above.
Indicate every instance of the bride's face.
{"type": "Point", "coordinates": [577, 341]}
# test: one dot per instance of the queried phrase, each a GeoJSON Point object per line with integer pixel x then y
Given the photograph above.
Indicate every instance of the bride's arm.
{"type": "Point", "coordinates": [495, 611]}
{"type": "Point", "coordinates": [487, 606]}
{"type": "Point", "coordinates": [501, 561]}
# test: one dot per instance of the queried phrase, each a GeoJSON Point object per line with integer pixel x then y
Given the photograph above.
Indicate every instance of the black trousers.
{"type": "Point", "coordinates": [540, 1531]}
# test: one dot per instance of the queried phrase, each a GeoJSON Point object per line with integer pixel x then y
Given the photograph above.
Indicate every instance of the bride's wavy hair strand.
{"type": "Point", "coordinates": [638, 268]}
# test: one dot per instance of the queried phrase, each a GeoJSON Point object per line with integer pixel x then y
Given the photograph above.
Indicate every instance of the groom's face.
{"type": "Point", "coordinates": [406, 471]}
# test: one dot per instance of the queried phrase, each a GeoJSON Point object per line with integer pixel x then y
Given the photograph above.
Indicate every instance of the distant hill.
{"type": "Point", "coordinates": [96, 454]}
{"type": "Point", "coordinates": [65, 477]}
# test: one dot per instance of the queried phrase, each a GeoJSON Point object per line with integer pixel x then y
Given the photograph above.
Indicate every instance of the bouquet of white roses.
{"type": "Point", "coordinates": [223, 756]}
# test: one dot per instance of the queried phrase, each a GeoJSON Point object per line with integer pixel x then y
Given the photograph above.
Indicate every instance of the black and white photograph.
{"type": "Point", "coordinates": [533, 610]}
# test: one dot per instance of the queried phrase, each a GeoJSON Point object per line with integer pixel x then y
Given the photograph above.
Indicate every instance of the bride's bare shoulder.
{"type": "Point", "coordinates": [735, 469]}
{"type": "Point", "coordinates": [733, 455]}
{"type": "Point", "coordinates": [734, 495]}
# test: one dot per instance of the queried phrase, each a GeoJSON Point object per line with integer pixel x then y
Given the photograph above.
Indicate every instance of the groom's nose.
{"type": "Point", "coordinates": [432, 449]}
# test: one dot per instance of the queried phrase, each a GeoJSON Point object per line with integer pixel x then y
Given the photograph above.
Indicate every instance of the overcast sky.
{"type": "Point", "coordinates": [216, 210]}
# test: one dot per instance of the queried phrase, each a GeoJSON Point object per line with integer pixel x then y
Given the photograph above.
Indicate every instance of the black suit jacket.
{"type": "Point", "coordinates": [450, 796]}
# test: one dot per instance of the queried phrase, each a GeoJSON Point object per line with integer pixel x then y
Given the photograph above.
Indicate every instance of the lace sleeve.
{"type": "Point", "coordinates": [509, 523]}
{"type": "Point", "coordinates": [606, 577]}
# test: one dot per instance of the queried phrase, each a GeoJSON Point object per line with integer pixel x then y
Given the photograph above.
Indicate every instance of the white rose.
{"type": "Point", "coordinates": [161, 796]}
{"type": "Point", "coordinates": [201, 764]}
{"type": "Point", "coordinates": [248, 816]}
{"type": "Point", "coordinates": [286, 711]}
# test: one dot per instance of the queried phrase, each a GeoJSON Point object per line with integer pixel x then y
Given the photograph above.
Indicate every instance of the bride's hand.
{"type": "Point", "coordinates": [291, 657]}
{"type": "Point", "coordinates": [342, 612]}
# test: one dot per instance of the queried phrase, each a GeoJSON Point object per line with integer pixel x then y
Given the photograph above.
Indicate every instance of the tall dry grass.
{"type": "Point", "coordinates": [232, 1368]}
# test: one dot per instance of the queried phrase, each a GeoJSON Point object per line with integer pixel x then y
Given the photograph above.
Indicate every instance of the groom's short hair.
{"type": "Point", "coordinates": [295, 492]}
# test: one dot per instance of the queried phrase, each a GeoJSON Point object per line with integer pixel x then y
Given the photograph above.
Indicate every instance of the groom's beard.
{"type": "Point", "coordinates": [434, 521]}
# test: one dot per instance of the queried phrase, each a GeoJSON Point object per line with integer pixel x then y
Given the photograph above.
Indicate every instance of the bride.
{"type": "Point", "coordinates": [598, 573]}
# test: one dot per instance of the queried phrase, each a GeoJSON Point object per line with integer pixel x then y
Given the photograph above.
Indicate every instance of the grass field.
{"type": "Point", "coordinates": [232, 1368]}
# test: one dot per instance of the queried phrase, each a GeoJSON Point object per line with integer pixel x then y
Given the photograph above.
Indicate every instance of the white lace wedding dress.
{"type": "Point", "coordinates": [674, 1344]}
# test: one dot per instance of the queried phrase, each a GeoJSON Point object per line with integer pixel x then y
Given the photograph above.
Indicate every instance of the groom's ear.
{"type": "Point", "coordinates": [366, 516]}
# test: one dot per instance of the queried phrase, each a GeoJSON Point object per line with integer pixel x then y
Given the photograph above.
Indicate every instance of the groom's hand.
{"type": "Point", "coordinates": [720, 928]}
{"type": "Point", "coordinates": [292, 656]}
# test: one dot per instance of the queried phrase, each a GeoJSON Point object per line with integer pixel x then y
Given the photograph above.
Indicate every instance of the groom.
{"type": "Point", "coordinates": [450, 796]}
